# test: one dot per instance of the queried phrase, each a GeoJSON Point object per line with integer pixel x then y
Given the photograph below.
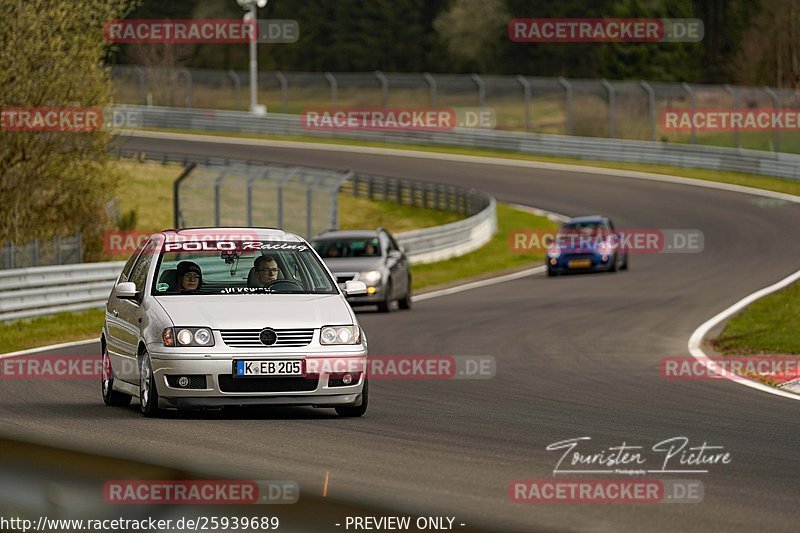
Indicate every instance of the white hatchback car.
{"type": "Point", "coordinates": [204, 318]}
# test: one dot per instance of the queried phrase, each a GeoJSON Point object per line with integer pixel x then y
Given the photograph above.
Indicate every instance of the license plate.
{"type": "Point", "coordinates": [256, 368]}
{"type": "Point", "coordinates": [580, 263]}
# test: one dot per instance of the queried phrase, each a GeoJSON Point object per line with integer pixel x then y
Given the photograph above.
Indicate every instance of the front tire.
{"type": "Point", "coordinates": [111, 397]}
{"type": "Point", "coordinates": [405, 302]}
{"type": "Point", "coordinates": [148, 395]}
{"type": "Point", "coordinates": [355, 412]}
{"type": "Point", "coordinates": [385, 306]}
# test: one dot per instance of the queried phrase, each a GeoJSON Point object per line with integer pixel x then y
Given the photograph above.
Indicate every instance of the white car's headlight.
{"type": "Point", "coordinates": [187, 337]}
{"type": "Point", "coordinates": [340, 335]}
{"type": "Point", "coordinates": [373, 276]}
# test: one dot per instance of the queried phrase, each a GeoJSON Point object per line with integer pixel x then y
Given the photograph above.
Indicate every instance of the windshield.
{"type": "Point", "coordinates": [582, 228]}
{"type": "Point", "coordinates": [363, 247]}
{"type": "Point", "coordinates": [253, 267]}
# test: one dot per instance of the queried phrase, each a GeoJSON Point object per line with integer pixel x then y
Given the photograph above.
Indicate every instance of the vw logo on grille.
{"type": "Point", "coordinates": [268, 336]}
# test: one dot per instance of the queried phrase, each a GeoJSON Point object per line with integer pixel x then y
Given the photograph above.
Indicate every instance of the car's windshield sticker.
{"type": "Point", "coordinates": [224, 246]}
{"type": "Point", "coordinates": [161, 287]}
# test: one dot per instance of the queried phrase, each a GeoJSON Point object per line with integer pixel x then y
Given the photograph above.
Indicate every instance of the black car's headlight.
{"type": "Point", "coordinates": [340, 335]}
{"type": "Point", "coordinates": [187, 337]}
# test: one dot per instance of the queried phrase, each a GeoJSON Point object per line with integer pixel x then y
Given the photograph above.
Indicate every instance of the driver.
{"type": "Point", "coordinates": [266, 268]}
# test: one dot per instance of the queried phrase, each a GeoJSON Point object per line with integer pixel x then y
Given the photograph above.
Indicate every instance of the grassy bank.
{"type": "Point", "coordinates": [769, 326]}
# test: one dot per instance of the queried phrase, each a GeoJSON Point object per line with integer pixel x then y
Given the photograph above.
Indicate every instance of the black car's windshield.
{"type": "Point", "coordinates": [252, 267]}
{"type": "Point", "coordinates": [363, 247]}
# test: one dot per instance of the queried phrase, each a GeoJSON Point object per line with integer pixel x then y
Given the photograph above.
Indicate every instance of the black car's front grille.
{"type": "Point", "coordinates": [228, 383]}
{"type": "Point", "coordinates": [251, 338]}
{"type": "Point", "coordinates": [195, 382]}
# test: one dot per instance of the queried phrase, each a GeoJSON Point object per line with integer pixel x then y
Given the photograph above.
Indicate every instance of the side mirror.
{"type": "Point", "coordinates": [126, 290]}
{"type": "Point", "coordinates": [355, 288]}
{"type": "Point", "coordinates": [395, 254]}
{"type": "Point", "coordinates": [548, 240]}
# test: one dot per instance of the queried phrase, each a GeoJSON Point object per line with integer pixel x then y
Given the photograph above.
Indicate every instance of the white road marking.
{"type": "Point", "coordinates": [696, 340]}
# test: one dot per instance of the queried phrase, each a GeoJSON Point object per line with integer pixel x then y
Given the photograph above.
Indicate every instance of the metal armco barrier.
{"type": "Point", "coordinates": [40, 291]}
{"type": "Point", "coordinates": [32, 292]}
{"type": "Point", "coordinates": [782, 165]}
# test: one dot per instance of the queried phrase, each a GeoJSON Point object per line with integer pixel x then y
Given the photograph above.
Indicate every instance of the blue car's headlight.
{"type": "Point", "coordinates": [554, 251]}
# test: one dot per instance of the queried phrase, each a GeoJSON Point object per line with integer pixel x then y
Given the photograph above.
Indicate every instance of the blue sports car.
{"type": "Point", "coordinates": [586, 244]}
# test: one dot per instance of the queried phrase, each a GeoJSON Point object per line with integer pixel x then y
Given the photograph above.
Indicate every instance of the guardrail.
{"type": "Point", "coordinates": [782, 165]}
{"type": "Point", "coordinates": [40, 291]}
{"type": "Point", "coordinates": [32, 292]}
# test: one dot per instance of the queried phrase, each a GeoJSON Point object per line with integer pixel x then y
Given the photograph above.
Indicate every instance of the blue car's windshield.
{"type": "Point", "coordinates": [252, 267]}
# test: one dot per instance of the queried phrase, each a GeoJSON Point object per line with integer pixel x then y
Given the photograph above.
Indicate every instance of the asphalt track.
{"type": "Point", "coordinates": [576, 356]}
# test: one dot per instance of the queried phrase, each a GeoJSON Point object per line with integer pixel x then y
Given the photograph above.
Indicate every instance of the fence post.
{"type": "Point", "coordinates": [35, 253]}
{"type": "Point", "coordinates": [384, 88]}
{"type": "Point", "coordinates": [432, 84]}
{"type": "Point", "coordinates": [688, 89]}
{"type": "Point", "coordinates": [309, 209]}
{"type": "Point", "coordinates": [188, 76]}
{"type": "Point", "coordinates": [237, 87]}
{"type": "Point", "coordinates": [57, 246]}
{"type": "Point", "coordinates": [776, 102]}
{"type": "Point", "coordinates": [526, 87]}
{"type": "Point", "coordinates": [217, 200]}
{"type": "Point", "coordinates": [177, 219]}
{"type": "Point", "coordinates": [735, 96]}
{"type": "Point", "coordinates": [250, 181]}
{"type": "Point", "coordinates": [481, 90]}
{"type": "Point", "coordinates": [334, 87]}
{"type": "Point", "coordinates": [612, 108]}
{"type": "Point", "coordinates": [651, 107]}
{"type": "Point", "coordinates": [10, 254]}
{"type": "Point", "coordinates": [284, 90]}
{"type": "Point", "coordinates": [568, 93]}
{"type": "Point", "coordinates": [142, 85]}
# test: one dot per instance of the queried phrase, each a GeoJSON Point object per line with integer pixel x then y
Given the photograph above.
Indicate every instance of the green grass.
{"type": "Point", "coordinates": [769, 326]}
{"type": "Point", "coordinates": [490, 258]}
{"type": "Point", "coordinates": [63, 327]}
{"type": "Point", "coordinates": [148, 191]}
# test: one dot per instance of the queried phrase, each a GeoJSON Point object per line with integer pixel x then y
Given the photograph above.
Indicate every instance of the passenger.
{"type": "Point", "coordinates": [190, 277]}
{"type": "Point", "coordinates": [333, 250]}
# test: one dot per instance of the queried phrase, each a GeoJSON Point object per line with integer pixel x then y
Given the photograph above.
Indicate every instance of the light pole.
{"type": "Point", "coordinates": [250, 6]}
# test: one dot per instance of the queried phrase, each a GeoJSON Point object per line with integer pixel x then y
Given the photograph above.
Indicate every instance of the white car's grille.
{"type": "Point", "coordinates": [251, 338]}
